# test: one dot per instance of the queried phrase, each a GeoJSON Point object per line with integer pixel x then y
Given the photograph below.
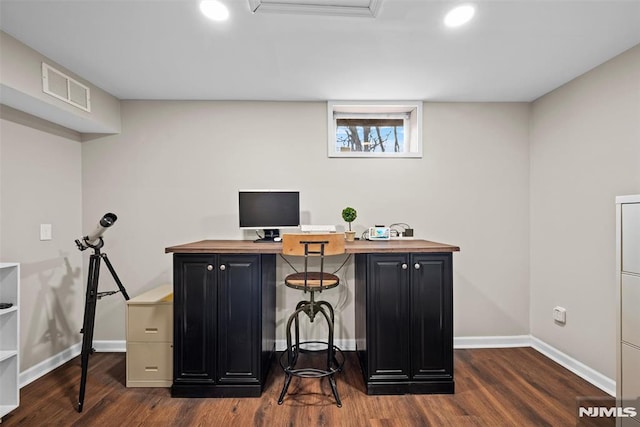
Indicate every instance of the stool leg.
{"type": "Point", "coordinates": [334, 389]}
{"type": "Point", "coordinates": [297, 334]}
{"type": "Point", "coordinates": [330, 354]}
{"type": "Point", "coordinates": [292, 356]}
{"type": "Point", "coordinates": [331, 314]}
{"type": "Point", "coordinates": [287, 381]}
{"type": "Point", "coordinates": [330, 308]}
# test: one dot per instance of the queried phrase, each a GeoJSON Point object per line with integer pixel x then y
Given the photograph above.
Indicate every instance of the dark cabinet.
{"type": "Point", "coordinates": [224, 326]}
{"type": "Point", "coordinates": [404, 322]}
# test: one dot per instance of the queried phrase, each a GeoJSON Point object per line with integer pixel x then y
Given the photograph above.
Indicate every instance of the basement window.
{"type": "Point", "coordinates": [375, 129]}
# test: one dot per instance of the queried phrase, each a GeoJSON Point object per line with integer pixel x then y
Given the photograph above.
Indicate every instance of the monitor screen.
{"type": "Point", "coordinates": [269, 209]}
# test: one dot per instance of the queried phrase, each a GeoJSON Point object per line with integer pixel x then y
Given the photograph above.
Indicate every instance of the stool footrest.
{"type": "Point", "coordinates": [310, 372]}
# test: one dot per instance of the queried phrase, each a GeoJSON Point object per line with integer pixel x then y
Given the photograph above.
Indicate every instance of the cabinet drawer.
{"type": "Point", "coordinates": [149, 364]}
{"type": "Point", "coordinates": [150, 323]}
{"type": "Point", "coordinates": [630, 373]}
{"type": "Point", "coordinates": [630, 311]}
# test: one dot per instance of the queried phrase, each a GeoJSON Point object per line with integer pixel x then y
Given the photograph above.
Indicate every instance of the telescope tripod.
{"type": "Point", "coordinates": [90, 309]}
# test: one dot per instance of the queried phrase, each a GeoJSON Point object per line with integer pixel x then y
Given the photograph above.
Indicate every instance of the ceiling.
{"type": "Point", "coordinates": [515, 50]}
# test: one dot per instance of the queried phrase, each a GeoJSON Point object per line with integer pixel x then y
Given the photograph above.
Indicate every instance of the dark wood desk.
{"type": "Point", "coordinates": [224, 316]}
{"type": "Point", "coordinates": [357, 247]}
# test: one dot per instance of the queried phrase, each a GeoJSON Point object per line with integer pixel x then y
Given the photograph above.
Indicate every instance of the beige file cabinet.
{"type": "Point", "coordinates": [628, 273]}
{"type": "Point", "coordinates": [150, 338]}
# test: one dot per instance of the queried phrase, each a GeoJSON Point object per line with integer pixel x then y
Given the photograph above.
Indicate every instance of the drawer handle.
{"type": "Point", "coordinates": [151, 330]}
{"type": "Point", "coordinates": [151, 369]}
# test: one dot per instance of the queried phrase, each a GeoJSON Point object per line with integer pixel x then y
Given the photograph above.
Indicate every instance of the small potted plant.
{"type": "Point", "coordinates": [349, 215]}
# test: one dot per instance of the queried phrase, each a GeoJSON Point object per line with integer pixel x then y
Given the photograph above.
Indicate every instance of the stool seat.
{"type": "Point", "coordinates": [314, 280]}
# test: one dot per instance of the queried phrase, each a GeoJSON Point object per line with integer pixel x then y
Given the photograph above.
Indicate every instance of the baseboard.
{"type": "Point", "coordinates": [30, 375]}
{"type": "Point", "coordinates": [110, 346]}
{"type": "Point", "coordinates": [492, 342]}
{"type": "Point", "coordinates": [33, 373]}
{"type": "Point", "coordinates": [599, 380]}
{"type": "Point", "coordinates": [594, 377]}
{"type": "Point", "coordinates": [458, 342]}
{"type": "Point", "coordinates": [343, 344]}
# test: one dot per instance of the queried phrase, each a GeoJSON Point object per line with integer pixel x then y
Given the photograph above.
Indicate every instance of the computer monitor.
{"type": "Point", "coordinates": [269, 210]}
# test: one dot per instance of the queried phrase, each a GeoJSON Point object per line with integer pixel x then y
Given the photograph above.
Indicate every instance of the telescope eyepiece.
{"type": "Point", "coordinates": [108, 219]}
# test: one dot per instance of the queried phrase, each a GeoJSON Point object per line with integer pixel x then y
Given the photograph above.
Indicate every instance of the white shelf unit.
{"type": "Point", "coordinates": [9, 337]}
{"type": "Point", "coordinates": [628, 284]}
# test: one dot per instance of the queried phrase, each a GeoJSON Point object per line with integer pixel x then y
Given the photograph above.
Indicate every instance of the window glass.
{"type": "Point", "coordinates": [372, 135]}
{"type": "Point", "coordinates": [375, 129]}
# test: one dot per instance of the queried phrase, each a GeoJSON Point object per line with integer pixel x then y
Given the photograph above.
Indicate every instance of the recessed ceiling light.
{"type": "Point", "coordinates": [214, 10]}
{"type": "Point", "coordinates": [459, 15]}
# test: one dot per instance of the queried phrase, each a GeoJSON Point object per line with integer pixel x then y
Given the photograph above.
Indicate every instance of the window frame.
{"type": "Point", "coordinates": [412, 110]}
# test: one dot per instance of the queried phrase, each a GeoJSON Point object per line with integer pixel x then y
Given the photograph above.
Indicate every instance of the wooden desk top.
{"type": "Point", "coordinates": [357, 247]}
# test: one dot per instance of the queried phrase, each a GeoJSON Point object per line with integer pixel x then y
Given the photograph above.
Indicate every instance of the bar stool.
{"type": "Point", "coordinates": [311, 281]}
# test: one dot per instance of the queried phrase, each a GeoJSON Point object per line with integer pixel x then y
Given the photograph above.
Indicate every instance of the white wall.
{"type": "Point", "coordinates": [585, 150]}
{"type": "Point", "coordinates": [491, 176]}
{"type": "Point", "coordinates": [173, 174]}
{"type": "Point", "coordinates": [40, 182]}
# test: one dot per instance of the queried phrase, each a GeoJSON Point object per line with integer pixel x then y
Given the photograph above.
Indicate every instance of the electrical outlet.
{"type": "Point", "coordinates": [45, 232]}
{"type": "Point", "coordinates": [560, 315]}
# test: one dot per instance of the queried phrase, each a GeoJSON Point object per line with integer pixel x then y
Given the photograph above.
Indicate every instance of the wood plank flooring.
{"type": "Point", "coordinates": [494, 387]}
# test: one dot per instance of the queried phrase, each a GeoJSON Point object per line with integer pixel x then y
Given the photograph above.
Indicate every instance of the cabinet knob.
{"type": "Point", "coordinates": [416, 266]}
{"type": "Point", "coordinates": [223, 267]}
{"type": "Point", "coordinates": [404, 266]}
{"type": "Point", "coordinates": [209, 267]}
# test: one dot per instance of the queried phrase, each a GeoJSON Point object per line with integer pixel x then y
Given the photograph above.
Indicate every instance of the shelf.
{"type": "Point", "coordinates": [8, 310]}
{"type": "Point", "coordinates": [7, 354]}
{"type": "Point", "coordinates": [9, 337]}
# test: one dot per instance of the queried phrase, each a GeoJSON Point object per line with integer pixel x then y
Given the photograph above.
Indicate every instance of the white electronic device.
{"type": "Point", "coordinates": [318, 228]}
{"type": "Point", "coordinates": [379, 233]}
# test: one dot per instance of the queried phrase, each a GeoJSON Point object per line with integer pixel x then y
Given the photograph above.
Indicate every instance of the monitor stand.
{"type": "Point", "coordinates": [269, 235]}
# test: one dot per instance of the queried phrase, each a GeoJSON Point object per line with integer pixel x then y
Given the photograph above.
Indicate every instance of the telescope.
{"type": "Point", "coordinates": [92, 239]}
{"type": "Point", "coordinates": [95, 242]}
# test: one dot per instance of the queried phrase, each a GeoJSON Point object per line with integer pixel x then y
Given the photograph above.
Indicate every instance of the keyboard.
{"type": "Point", "coordinates": [318, 228]}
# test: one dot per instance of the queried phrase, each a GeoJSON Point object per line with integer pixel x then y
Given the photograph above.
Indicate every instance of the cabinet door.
{"type": "Point", "coordinates": [631, 237]}
{"type": "Point", "coordinates": [239, 337]}
{"type": "Point", "coordinates": [194, 318]}
{"type": "Point", "coordinates": [629, 308]}
{"type": "Point", "coordinates": [431, 317]}
{"type": "Point", "coordinates": [388, 317]}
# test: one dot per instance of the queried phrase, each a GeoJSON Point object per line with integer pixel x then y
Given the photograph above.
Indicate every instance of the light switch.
{"type": "Point", "coordinates": [560, 315]}
{"type": "Point", "coordinates": [45, 232]}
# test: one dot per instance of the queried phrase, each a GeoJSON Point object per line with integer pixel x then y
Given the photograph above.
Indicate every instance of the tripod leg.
{"type": "Point", "coordinates": [89, 322]}
{"type": "Point", "coordinates": [115, 277]}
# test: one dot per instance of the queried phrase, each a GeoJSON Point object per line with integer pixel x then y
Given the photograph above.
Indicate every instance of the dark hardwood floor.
{"type": "Point", "coordinates": [494, 387]}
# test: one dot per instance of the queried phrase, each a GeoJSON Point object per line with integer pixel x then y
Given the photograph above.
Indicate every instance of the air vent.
{"type": "Point", "coordinates": [58, 84]}
{"type": "Point", "coordinates": [364, 8]}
